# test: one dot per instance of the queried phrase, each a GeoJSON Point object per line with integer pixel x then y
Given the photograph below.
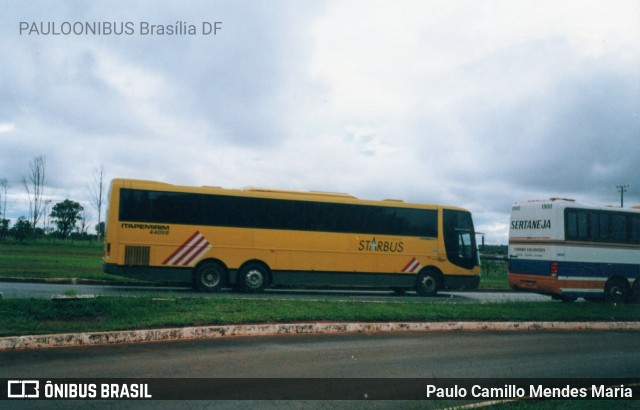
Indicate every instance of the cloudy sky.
{"type": "Point", "coordinates": [471, 103]}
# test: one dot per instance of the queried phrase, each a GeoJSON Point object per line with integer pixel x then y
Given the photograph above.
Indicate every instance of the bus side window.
{"type": "Point", "coordinates": [570, 225]}
{"type": "Point", "coordinates": [635, 229]}
{"type": "Point", "coordinates": [577, 225]}
{"type": "Point", "coordinates": [594, 225]}
{"type": "Point", "coordinates": [604, 227]}
{"type": "Point", "coordinates": [619, 230]}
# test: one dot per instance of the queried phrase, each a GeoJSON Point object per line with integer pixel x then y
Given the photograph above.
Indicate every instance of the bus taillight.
{"type": "Point", "coordinates": [108, 250]}
{"type": "Point", "coordinates": [554, 269]}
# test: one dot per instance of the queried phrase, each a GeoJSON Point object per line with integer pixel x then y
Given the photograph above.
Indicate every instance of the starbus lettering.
{"type": "Point", "coordinates": [381, 246]}
{"type": "Point", "coordinates": [531, 224]}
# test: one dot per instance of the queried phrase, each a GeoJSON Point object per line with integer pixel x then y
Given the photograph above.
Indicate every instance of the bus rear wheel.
{"type": "Point", "coordinates": [209, 276]}
{"type": "Point", "coordinates": [565, 299]}
{"type": "Point", "coordinates": [617, 290]}
{"type": "Point", "coordinates": [254, 278]}
{"type": "Point", "coordinates": [428, 283]}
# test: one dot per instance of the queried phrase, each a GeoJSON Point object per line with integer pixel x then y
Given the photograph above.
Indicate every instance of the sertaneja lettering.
{"type": "Point", "coordinates": [531, 224]}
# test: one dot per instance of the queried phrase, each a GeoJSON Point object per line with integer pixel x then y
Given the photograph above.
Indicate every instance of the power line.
{"type": "Point", "coordinates": [622, 189]}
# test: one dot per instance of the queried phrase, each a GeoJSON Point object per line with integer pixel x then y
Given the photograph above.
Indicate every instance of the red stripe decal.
{"type": "Point", "coordinates": [197, 249]}
{"type": "Point", "coordinates": [186, 249]}
{"type": "Point", "coordinates": [411, 266]}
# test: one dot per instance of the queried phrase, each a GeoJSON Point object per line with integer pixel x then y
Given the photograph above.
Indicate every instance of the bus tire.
{"type": "Point", "coordinates": [254, 277]}
{"type": "Point", "coordinates": [428, 283]}
{"type": "Point", "coordinates": [635, 292]}
{"type": "Point", "coordinates": [209, 276]}
{"type": "Point", "coordinates": [617, 290]}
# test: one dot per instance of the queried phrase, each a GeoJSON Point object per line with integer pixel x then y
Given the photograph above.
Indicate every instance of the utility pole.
{"type": "Point", "coordinates": [622, 189]}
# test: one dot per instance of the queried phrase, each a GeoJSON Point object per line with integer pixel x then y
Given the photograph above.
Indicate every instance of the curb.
{"type": "Point", "coordinates": [212, 332]}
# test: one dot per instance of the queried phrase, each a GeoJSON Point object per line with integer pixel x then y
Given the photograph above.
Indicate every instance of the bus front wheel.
{"type": "Point", "coordinates": [254, 278]}
{"type": "Point", "coordinates": [209, 276]}
{"type": "Point", "coordinates": [617, 290]}
{"type": "Point", "coordinates": [428, 283]}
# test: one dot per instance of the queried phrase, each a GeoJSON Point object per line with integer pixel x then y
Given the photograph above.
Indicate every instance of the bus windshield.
{"type": "Point", "coordinates": [459, 238]}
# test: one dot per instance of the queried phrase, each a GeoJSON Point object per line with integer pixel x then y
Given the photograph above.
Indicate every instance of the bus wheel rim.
{"type": "Point", "coordinates": [428, 282]}
{"type": "Point", "coordinates": [617, 293]}
{"type": "Point", "coordinates": [254, 279]}
{"type": "Point", "coordinates": [210, 278]}
{"type": "Point", "coordinates": [617, 290]}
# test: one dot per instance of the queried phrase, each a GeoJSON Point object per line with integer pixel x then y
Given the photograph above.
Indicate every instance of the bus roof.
{"type": "Point", "coordinates": [282, 191]}
{"type": "Point", "coordinates": [269, 193]}
{"type": "Point", "coordinates": [572, 203]}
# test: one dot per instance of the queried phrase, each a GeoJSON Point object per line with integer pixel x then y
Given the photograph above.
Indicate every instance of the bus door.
{"type": "Point", "coordinates": [459, 239]}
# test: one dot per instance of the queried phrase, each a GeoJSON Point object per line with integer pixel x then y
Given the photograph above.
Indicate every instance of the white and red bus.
{"type": "Point", "coordinates": [569, 250]}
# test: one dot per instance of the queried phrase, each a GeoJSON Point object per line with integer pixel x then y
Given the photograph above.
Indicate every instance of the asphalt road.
{"type": "Point", "coordinates": [420, 354]}
{"type": "Point", "coordinates": [47, 290]}
{"type": "Point", "coordinates": [469, 355]}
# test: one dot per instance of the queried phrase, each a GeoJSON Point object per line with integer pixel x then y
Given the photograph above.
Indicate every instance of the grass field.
{"type": "Point", "coordinates": [83, 260]}
{"type": "Point", "coordinates": [60, 259]}
{"type": "Point", "coordinates": [493, 274]}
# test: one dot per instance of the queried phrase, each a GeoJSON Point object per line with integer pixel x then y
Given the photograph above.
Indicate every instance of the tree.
{"type": "Point", "coordinates": [4, 222]}
{"type": "Point", "coordinates": [4, 227]}
{"type": "Point", "coordinates": [3, 197]}
{"type": "Point", "coordinates": [65, 214]}
{"type": "Point", "coordinates": [84, 222]}
{"type": "Point", "coordinates": [22, 229]}
{"type": "Point", "coordinates": [100, 229]}
{"type": "Point", "coordinates": [97, 190]}
{"type": "Point", "coordinates": [35, 188]}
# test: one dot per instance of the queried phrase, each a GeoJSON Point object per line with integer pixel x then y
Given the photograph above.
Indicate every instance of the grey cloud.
{"type": "Point", "coordinates": [515, 120]}
{"type": "Point", "coordinates": [578, 134]}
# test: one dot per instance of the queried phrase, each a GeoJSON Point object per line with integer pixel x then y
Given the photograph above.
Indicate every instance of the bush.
{"type": "Point", "coordinates": [22, 229]}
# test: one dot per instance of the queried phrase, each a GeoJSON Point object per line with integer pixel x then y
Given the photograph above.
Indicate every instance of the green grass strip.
{"type": "Point", "coordinates": [42, 316]}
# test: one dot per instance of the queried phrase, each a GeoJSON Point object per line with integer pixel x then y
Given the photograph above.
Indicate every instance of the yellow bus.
{"type": "Point", "coordinates": [251, 239]}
